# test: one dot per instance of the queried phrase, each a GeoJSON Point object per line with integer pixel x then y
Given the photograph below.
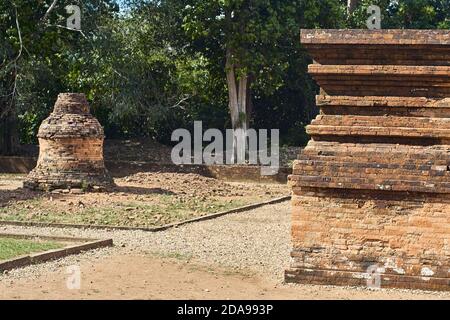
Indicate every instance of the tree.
{"type": "Point", "coordinates": [238, 33]}
{"type": "Point", "coordinates": [140, 80]}
{"type": "Point", "coordinates": [407, 14]}
{"type": "Point", "coordinates": [287, 102]}
{"type": "Point", "coordinates": [243, 37]}
{"type": "Point", "coordinates": [159, 65]}
{"type": "Point", "coordinates": [10, 54]}
{"type": "Point", "coordinates": [351, 5]}
{"type": "Point", "coordinates": [35, 55]}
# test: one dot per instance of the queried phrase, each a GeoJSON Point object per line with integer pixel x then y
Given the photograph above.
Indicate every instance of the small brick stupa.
{"type": "Point", "coordinates": [371, 191]}
{"type": "Point", "coordinates": [70, 148]}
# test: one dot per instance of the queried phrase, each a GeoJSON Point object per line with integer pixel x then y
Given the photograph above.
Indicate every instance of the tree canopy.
{"type": "Point", "coordinates": [148, 67]}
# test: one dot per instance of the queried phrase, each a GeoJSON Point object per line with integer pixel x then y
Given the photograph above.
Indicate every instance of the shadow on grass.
{"type": "Point", "coordinates": [20, 194]}
{"type": "Point", "coordinates": [141, 190]}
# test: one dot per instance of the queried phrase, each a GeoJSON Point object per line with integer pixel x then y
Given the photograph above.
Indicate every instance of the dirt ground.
{"type": "Point", "coordinates": [238, 256]}
{"type": "Point", "coordinates": [141, 200]}
{"type": "Point", "coordinates": [145, 149]}
{"type": "Point", "coordinates": [149, 277]}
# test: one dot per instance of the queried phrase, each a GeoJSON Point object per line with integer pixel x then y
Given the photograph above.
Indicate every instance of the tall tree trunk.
{"type": "Point", "coordinates": [238, 95]}
{"type": "Point", "coordinates": [249, 105]}
{"type": "Point", "coordinates": [8, 135]}
{"type": "Point", "coordinates": [351, 6]}
{"type": "Point", "coordinates": [232, 90]}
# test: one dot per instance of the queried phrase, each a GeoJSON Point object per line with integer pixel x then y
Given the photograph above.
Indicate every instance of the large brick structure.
{"type": "Point", "coordinates": [371, 191]}
{"type": "Point", "coordinates": [70, 148]}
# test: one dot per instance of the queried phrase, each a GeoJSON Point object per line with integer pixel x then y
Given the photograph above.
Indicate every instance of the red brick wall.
{"type": "Point", "coordinates": [372, 188]}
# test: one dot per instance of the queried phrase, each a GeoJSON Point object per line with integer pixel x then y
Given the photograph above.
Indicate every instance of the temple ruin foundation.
{"type": "Point", "coordinates": [371, 191]}
{"type": "Point", "coordinates": [70, 148]}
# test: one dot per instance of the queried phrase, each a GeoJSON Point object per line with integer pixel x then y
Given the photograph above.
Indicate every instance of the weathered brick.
{"type": "Point", "coordinates": [373, 185]}
{"type": "Point", "coordinates": [70, 148]}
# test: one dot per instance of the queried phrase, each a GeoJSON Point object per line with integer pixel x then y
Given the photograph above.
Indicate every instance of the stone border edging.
{"type": "Point", "coordinates": [219, 214]}
{"type": "Point", "coordinates": [154, 229]}
{"type": "Point", "coordinates": [45, 256]}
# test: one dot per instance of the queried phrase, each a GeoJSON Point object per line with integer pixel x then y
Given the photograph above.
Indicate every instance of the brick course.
{"type": "Point", "coordinates": [372, 188]}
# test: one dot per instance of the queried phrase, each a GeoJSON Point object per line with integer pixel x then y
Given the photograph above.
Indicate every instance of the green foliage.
{"type": "Point", "coordinates": [263, 37]}
{"type": "Point", "coordinates": [407, 14]}
{"type": "Point", "coordinates": [38, 54]}
{"type": "Point", "coordinates": [160, 65]}
{"type": "Point", "coordinates": [291, 104]}
{"type": "Point", "coordinates": [257, 32]}
{"type": "Point", "coordinates": [85, 186]}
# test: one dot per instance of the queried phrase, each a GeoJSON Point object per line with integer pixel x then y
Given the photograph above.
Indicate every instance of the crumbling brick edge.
{"type": "Point", "coordinates": [41, 257]}
{"type": "Point", "coordinates": [359, 279]}
{"type": "Point", "coordinates": [154, 229]}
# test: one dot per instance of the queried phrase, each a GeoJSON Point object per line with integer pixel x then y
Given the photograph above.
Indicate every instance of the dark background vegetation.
{"type": "Point", "coordinates": [149, 67]}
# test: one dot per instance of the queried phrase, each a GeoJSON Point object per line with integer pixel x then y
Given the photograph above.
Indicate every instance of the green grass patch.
{"type": "Point", "coordinates": [157, 211]}
{"type": "Point", "coordinates": [11, 248]}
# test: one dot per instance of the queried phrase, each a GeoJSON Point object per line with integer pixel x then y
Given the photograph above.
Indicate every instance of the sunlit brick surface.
{"type": "Point", "coordinates": [372, 188]}
{"type": "Point", "coordinates": [70, 148]}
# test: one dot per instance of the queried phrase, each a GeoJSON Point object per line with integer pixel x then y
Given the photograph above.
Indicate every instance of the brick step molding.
{"type": "Point", "coordinates": [383, 80]}
{"type": "Point", "coordinates": [376, 101]}
{"type": "Point", "coordinates": [371, 191]}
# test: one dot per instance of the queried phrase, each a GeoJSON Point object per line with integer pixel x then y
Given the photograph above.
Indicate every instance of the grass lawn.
{"type": "Point", "coordinates": [155, 211]}
{"type": "Point", "coordinates": [10, 248]}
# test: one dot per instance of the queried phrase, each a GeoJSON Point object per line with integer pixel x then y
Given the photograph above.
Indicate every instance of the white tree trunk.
{"type": "Point", "coordinates": [242, 101]}
{"type": "Point", "coordinates": [237, 95]}
{"type": "Point", "coordinates": [232, 90]}
{"type": "Point", "coordinates": [351, 5]}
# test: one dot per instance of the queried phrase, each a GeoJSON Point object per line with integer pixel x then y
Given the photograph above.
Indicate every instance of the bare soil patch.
{"type": "Point", "coordinates": [237, 256]}
{"type": "Point", "coordinates": [148, 277]}
{"type": "Point", "coordinates": [148, 150]}
{"type": "Point", "coordinates": [139, 200]}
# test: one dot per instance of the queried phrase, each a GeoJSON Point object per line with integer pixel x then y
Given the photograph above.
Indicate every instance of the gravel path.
{"type": "Point", "coordinates": [263, 246]}
{"type": "Point", "coordinates": [257, 241]}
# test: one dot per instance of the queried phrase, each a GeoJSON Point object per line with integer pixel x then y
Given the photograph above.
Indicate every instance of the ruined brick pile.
{"type": "Point", "coordinates": [372, 188]}
{"type": "Point", "coordinates": [70, 148]}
